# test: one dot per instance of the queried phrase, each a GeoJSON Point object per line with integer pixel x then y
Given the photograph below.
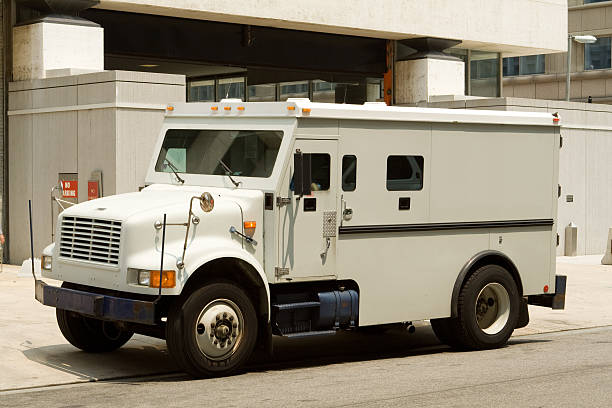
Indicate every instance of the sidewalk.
{"type": "Point", "coordinates": [36, 354]}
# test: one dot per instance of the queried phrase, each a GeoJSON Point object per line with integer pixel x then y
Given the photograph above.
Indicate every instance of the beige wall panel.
{"type": "Point", "coordinates": [103, 92]}
{"type": "Point", "coordinates": [20, 100]}
{"type": "Point", "coordinates": [572, 178]}
{"type": "Point", "coordinates": [20, 185]}
{"type": "Point", "coordinates": [599, 194]}
{"type": "Point", "coordinates": [574, 21]}
{"type": "Point", "coordinates": [575, 90]}
{"type": "Point", "coordinates": [475, 182]}
{"type": "Point", "coordinates": [97, 139]}
{"type": "Point", "coordinates": [608, 17]}
{"type": "Point", "coordinates": [524, 91]}
{"type": "Point", "coordinates": [508, 90]}
{"type": "Point", "coordinates": [547, 90]}
{"type": "Point", "coordinates": [609, 86]}
{"type": "Point", "coordinates": [132, 92]}
{"type": "Point", "coordinates": [593, 87]}
{"type": "Point", "coordinates": [137, 132]}
{"type": "Point", "coordinates": [54, 97]}
{"type": "Point", "coordinates": [594, 18]}
{"type": "Point", "coordinates": [54, 151]}
{"type": "Point", "coordinates": [417, 285]}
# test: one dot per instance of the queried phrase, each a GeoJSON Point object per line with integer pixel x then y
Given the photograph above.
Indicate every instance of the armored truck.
{"type": "Point", "coordinates": [302, 219]}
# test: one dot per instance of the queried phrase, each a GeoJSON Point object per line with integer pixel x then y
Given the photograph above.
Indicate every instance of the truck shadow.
{"type": "Point", "coordinates": [148, 358]}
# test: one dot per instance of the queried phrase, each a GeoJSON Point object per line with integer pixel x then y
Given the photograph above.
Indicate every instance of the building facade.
{"type": "Point", "coordinates": [543, 76]}
{"type": "Point", "coordinates": [79, 76]}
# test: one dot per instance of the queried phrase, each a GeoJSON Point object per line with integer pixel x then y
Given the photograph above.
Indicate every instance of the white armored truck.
{"type": "Point", "coordinates": [300, 219]}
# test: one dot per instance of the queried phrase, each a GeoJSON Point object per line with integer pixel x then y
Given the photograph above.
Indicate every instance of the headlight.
{"type": "Point", "coordinates": [151, 278]}
{"type": "Point", "coordinates": [46, 262]}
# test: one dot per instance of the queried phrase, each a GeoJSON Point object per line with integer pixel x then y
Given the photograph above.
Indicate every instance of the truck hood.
{"type": "Point", "coordinates": [156, 198]}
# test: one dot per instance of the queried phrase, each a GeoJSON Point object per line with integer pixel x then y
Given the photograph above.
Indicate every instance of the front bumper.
{"type": "Point", "coordinates": [97, 305]}
{"type": "Point", "coordinates": [555, 300]}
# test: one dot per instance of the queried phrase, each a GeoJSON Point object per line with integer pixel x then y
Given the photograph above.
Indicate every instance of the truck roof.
{"type": "Point", "coordinates": [304, 108]}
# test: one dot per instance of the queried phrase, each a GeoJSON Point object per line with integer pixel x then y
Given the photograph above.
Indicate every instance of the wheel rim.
{"type": "Point", "coordinates": [492, 308]}
{"type": "Point", "coordinates": [219, 329]}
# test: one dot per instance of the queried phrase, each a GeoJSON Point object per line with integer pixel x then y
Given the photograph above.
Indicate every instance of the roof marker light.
{"type": "Point", "coordinates": [227, 108]}
{"type": "Point", "coordinates": [240, 108]}
{"type": "Point", "coordinates": [306, 110]}
{"type": "Point", "coordinates": [169, 108]}
{"type": "Point", "coordinates": [291, 108]}
{"type": "Point", "coordinates": [214, 108]}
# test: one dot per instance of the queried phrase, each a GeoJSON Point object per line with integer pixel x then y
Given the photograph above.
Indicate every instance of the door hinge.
{"type": "Point", "coordinates": [278, 271]}
{"type": "Point", "coordinates": [281, 201]}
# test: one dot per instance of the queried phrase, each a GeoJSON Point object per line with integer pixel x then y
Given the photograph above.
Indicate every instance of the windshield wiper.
{"type": "Point", "coordinates": [174, 170]}
{"type": "Point", "coordinates": [229, 172]}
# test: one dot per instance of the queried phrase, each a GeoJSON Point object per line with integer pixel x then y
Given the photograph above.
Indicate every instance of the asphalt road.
{"type": "Point", "coordinates": [564, 369]}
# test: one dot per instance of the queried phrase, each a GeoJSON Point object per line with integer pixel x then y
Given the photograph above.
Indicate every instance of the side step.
{"type": "Point", "coordinates": [310, 334]}
{"type": "Point", "coordinates": [296, 305]}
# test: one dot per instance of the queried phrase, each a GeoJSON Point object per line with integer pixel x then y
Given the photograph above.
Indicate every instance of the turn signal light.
{"type": "Point", "coordinates": [151, 279]}
{"type": "Point", "coordinates": [249, 228]}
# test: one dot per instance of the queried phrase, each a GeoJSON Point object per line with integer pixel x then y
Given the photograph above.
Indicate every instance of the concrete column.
{"type": "Point", "coordinates": [57, 44]}
{"type": "Point", "coordinates": [428, 72]}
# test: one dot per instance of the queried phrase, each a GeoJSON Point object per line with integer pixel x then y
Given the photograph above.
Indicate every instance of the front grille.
{"type": "Point", "coordinates": [90, 239]}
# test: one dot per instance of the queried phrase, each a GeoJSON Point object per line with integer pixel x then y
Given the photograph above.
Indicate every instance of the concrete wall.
{"type": "Point", "coordinates": [104, 121]}
{"type": "Point", "coordinates": [514, 27]}
{"type": "Point", "coordinates": [585, 166]}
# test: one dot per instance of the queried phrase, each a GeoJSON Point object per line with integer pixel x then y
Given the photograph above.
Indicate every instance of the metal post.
{"type": "Point", "coordinates": [31, 240]}
{"type": "Point", "coordinates": [569, 66]}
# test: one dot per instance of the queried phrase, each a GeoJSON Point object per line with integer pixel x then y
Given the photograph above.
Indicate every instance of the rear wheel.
{"type": "Point", "coordinates": [213, 331]}
{"type": "Point", "coordinates": [89, 334]}
{"type": "Point", "coordinates": [487, 311]}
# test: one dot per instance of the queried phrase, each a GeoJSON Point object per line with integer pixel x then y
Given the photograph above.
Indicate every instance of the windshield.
{"type": "Point", "coordinates": [247, 153]}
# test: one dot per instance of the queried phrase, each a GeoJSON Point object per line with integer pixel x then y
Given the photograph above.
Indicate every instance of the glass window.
{"type": "Point", "coordinates": [349, 173]}
{"type": "Point", "coordinates": [320, 171]}
{"type": "Point", "coordinates": [597, 55]}
{"type": "Point", "coordinates": [594, 1]}
{"type": "Point", "coordinates": [484, 73]}
{"type": "Point", "coordinates": [511, 66]}
{"type": "Point", "coordinates": [405, 173]}
{"type": "Point", "coordinates": [230, 88]}
{"type": "Point", "coordinates": [262, 93]}
{"type": "Point", "coordinates": [293, 90]}
{"type": "Point", "coordinates": [202, 91]}
{"type": "Point", "coordinates": [532, 64]}
{"type": "Point", "coordinates": [323, 91]}
{"type": "Point", "coordinates": [248, 153]}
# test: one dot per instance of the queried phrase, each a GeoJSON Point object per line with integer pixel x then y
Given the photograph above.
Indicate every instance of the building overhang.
{"type": "Point", "coordinates": [518, 27]}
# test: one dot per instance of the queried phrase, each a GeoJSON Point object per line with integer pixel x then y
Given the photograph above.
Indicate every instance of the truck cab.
{"type": "Point", "coordinates": [299, 219]}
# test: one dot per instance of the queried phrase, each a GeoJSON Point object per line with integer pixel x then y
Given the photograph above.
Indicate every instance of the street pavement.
{"type": "Point", "coordinates": [36, 358]}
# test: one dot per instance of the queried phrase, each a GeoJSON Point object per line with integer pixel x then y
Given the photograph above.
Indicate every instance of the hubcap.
{"type": "Point", "coordinates": [492, 308]}
{"type": "Point", "coordinates": [218, 330]}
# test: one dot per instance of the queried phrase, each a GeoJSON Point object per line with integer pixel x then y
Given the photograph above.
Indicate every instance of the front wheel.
{"type": "Point", "coordinates": [89, 334]}
{"type": "Point", "coordinates": [213, 332]}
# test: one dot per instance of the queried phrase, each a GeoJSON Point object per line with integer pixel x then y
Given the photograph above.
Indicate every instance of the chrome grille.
{"type": "Point", "coordinates": [90, 239]}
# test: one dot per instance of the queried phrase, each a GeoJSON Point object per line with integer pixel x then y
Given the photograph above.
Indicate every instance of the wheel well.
{"type": "Point", "coordinates": [236, 271]}
{"type": "Point", "coordinates": [479, 260]}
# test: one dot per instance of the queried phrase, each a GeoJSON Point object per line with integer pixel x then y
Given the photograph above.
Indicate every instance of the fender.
{"type": "Point", "coordinates": [223, 251]}
{"type": "Point", "coordinates": [470, 264]}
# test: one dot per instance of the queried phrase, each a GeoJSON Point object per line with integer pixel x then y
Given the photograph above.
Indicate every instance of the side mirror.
{"type": "Point", "coordinates": [302, 178]}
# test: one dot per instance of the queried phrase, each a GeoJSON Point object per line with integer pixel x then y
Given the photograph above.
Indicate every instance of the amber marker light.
{"type": "Point", "coordinates": [170, 108]}
{"type": "Point", "coordinates": [227, 108]}
{"type": "Point", "coordinates": [240, 108]}
{"type": "Point", "coordinates": [291, 108]}
{"type": "Point", "coordinates": [249, 228]}
{"type": "Point", "coordinates": [168, 279]}
{"type": "Point", "coordinates": [305, 110]}
{"type": "Point", "coordinates": [214, 108]}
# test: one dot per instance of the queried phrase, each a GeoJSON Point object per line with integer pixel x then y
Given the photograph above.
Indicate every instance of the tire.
{"type": "Point", "coordinates": [89, 334]}
{"type": "Point", "coordinates": [213, 331]}
{"type": "Point", "coordinates": [487, 310]}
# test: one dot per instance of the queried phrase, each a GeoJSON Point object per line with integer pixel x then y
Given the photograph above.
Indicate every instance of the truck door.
{"type": "Point", "coordinates": [308, 225]}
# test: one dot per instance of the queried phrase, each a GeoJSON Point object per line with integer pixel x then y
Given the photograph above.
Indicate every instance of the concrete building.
{"type": "Point", "coordinates": [86, 81]}
{"type": "Point", "coordinates": [543, 76]}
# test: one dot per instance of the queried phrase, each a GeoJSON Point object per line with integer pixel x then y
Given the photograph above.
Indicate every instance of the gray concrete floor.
{"type": "Point", "coordinates": [36, 355]}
